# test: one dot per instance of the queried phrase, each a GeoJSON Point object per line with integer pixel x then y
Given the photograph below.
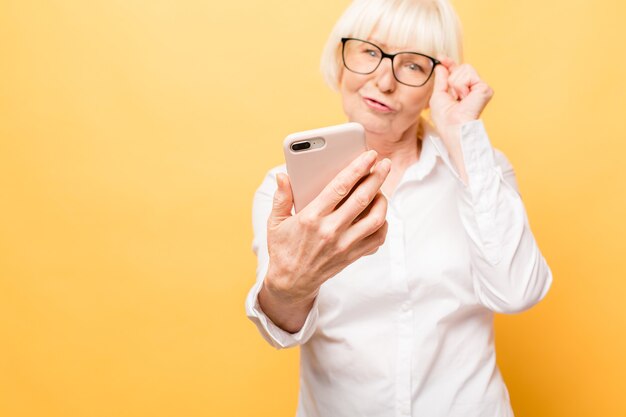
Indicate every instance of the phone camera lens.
{"type": "Point", "coordinates": [300, 146]}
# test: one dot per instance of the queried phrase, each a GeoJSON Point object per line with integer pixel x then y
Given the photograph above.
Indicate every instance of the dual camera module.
{"type": "Point", "coordinates": [304, 145]}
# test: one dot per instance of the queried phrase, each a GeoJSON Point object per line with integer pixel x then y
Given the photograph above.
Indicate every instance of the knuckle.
{"type": "Point", "coordinates": [354, 175]}
{"type": "Point", "coordinates": [307, 220]}
{"type": "Point", "coordinates": [358, 169]}
{"type": "Point", "coordinates": [340, 188]}
{"type": "Point", "coordinates": [326, 234]}
{"type": "Point", "coordinates": [378, 221]}
{"type": "Point", "coordinates": [342, 247]}
{"type": "Point", "coordinates": [485, 89]}
{"type": "Point", "coordinates": [362, 199]}
{"type": "Point", "coordinates": [356, 165]}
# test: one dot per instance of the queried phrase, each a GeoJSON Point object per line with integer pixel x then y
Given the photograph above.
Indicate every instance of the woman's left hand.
{"type": "Point", "coordinates": [459, 96]}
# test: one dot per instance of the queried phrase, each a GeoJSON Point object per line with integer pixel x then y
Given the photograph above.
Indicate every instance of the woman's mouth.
{"type": "Point", "coordinates": [377, 105]}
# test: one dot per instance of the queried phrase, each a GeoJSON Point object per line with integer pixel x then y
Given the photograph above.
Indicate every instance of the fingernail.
{"type": "Point", "coordinates": [386, 164]}
{"type": "Point", "coordinates": [370, 156]}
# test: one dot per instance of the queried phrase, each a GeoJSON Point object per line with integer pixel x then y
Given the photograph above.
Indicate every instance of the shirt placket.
{"type": "Point", "coordinates": [397, 250]}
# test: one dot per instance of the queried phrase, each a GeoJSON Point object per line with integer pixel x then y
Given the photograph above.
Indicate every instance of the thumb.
{"type": "Point", "coordinates": [283, 201]}
{"type": "Point", "coordinates": [441, 79]}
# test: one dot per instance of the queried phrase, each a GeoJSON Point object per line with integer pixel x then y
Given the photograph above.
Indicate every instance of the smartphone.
{"type": "Point", "coordinates": [315, 157]}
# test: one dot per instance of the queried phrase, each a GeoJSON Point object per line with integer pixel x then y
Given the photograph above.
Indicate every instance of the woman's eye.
{"type": "Point", "coordinates": [415, 67]}
{"type": "Point", "coordinates": [371, 52]}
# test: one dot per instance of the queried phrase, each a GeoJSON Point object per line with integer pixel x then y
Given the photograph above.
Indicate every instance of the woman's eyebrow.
{"type": "Point", "coordinates": [388, 48]}
{"type": "Point", "coordinates": [377, 42]}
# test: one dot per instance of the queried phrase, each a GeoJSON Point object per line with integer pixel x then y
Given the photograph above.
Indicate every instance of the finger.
{"type": "Point", "coordinates": [362, 196]}
{"type": "Point", "coordinates": [483, 89]}
{"type": "Point", "coordinates": [478, 98]}
{"type": "Point", "coordinates": [441, 79]}
{"type": "Point", "coordinates": [341, 185]}
{"type": "Point", "coordinates": [453, 92]}
{"type": "Point", "coordinates": [460, 90]}
{"type": "Point", "coordinates": [370, 244]}
{"type": "Point", "coordinates": [369, 223]}
{"type": "Point", "coordinates": [470, 75]}
{"type": "Point", "coordinates": [464, 79]}
{"type": "Point", "coordinates": [367, 210]}
{"type": "Point", "coordinates": [457, 83]}
{"type": "Point", "coordinates": [447, 62]}
{"type": "Point", "coordinates": [283, 201]}
{"type": "Point", "coordinates": [372, 251]}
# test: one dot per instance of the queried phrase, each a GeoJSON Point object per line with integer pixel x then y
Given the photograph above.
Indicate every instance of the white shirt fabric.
{"type": "Point", "coordinates": [408, 331]}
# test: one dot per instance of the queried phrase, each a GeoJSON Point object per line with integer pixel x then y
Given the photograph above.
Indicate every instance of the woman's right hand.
{"type": "Point", "coordinates": [344, 222]}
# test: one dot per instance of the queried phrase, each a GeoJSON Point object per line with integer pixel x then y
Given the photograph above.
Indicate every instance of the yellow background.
{"type": "Point", "coordinates": [134, 133]}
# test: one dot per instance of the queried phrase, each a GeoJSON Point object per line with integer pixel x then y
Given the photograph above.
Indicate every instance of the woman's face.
{"type": "Point", "coordinates": [379, 102]}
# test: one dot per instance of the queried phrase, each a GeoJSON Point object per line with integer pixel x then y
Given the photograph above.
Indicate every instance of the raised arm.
{"type": "Point", "coordinates": [509, 272]}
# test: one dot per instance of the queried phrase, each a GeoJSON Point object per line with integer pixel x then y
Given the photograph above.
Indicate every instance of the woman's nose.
{"type": "Point", "coordinates": [385, 79]}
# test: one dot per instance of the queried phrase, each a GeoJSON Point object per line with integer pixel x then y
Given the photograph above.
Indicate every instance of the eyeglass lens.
{"type": "Point", "coordinates": [409, 68]}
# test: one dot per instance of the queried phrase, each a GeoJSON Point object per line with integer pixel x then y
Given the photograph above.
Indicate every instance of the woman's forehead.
{"type": "Point", "coordinates": [389, 33]}
{"type": "Point", "coordinates": [389, 48]}
{"type": "Point", "coordinates": [394, 43]}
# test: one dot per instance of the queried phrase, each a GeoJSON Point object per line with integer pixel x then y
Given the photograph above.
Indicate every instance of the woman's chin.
{"type": "Point", "coordinates": [377, 129]}
{"type": "Point", "coordinates": [374, 127]}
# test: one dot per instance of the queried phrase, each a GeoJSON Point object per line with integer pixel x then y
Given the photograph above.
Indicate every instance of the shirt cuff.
{"type": "Point", "coordinates": [274, 335]}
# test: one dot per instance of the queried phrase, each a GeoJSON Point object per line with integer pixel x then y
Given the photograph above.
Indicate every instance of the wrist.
{"type": "Point", "coordinates": [281, 289]}
{"type": "Point", "coordinates": [289, 315]}
{"type": "Point", "coordinates": [450, 133]}
{"type": "Point", "coordinates": [451, 137]}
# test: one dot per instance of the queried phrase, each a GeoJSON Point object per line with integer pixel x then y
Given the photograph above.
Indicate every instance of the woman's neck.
{"type": "Point", "coordinates": [402, 152]}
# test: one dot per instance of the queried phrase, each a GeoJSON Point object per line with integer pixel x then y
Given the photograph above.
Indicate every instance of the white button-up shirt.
{"type": "Point", "coordinates": [408, 331]}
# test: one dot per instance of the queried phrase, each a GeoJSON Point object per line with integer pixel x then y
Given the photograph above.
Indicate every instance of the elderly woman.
{"type": "Point", "coordinates": [391, 294]}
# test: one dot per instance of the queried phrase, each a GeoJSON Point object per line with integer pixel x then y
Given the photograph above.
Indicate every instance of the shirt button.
{"type": "Point", "coordinates": [405, 306]}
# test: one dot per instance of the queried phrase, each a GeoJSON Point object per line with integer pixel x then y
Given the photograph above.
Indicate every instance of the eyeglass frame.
{"type": "Point", "coordinates": [386, 55]}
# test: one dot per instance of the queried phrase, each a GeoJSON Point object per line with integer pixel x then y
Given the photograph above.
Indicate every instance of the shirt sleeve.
{"type": "Point", "coordinates": [274, 335]}
{"type": "Point", "coordinates": [508, 270]}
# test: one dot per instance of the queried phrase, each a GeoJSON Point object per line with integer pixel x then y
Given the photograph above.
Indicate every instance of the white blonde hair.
{"type": "Point", "coordinates": [427, 26]}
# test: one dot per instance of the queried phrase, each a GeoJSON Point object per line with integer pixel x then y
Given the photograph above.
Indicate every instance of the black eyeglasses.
{"type": "Point", "coordinates": [409, 68]}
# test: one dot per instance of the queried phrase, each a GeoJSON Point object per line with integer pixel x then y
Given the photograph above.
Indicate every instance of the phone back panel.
{"type": "Point", "coordinates": [312, 169]}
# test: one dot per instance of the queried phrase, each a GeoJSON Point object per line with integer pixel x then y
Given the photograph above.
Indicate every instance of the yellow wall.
{"type": "Point", "coordinates": [133, 134]}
